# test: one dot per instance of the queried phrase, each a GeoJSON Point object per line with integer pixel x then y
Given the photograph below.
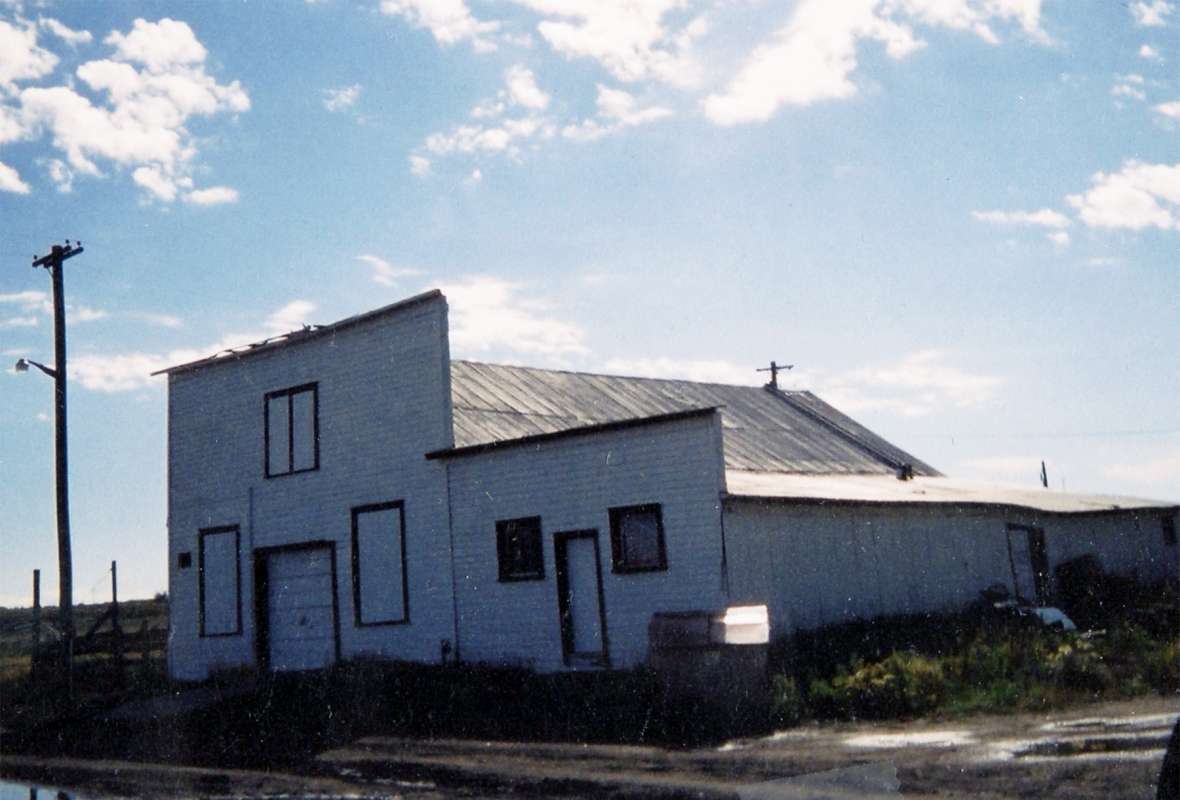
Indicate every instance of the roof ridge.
{"type": "Point", "coordinates": [614, 375]}
{"type": "Point", "coordinates": [839, 429]}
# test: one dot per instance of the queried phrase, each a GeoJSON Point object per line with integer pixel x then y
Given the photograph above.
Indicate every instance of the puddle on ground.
{"type": "Point", "coordinates": [1143, 722]}
{"type": "Point", "coordinates": [883, 741]}
{"type": "Point", "coordinates": [11, 790]}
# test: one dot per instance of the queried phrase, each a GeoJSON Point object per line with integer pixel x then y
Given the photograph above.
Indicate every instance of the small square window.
{"type": "Point", "coordinates": [518, 548]}
{"type": "Point", "coordinates": [1169, 524]}
{"type": "Point", "coordinates": [292, 430]}
{"type": "Point", "coordinates": [185, 560]}
{"type": "Point", "coordinates": [637, 539]}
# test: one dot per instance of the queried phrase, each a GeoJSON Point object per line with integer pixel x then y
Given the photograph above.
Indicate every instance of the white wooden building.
{"type": "Point", "coordinates": [347, 490]}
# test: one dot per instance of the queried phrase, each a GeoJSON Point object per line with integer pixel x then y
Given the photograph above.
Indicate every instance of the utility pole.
{"type": "Point", "coordinates": [53, 263]}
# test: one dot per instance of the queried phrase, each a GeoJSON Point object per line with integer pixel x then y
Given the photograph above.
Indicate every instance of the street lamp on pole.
{"type": "Point", "coordinates": [53, 264]}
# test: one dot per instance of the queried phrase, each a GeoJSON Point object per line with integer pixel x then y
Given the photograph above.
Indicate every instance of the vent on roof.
{"type": "Point", "coordinates": [905, 472]}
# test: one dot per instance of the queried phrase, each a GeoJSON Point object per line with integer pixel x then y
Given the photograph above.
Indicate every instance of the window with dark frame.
{"type": "Point", "coordinates": [292, 430]}
{"type": "Point", "coordinates": [1169, 524]}
{"type": "Point", "coordinates": [637, 539]}
{"type": "Point", "coordinates": [380, 591]}
{"type": "Point", "coordinates": [518, 549]}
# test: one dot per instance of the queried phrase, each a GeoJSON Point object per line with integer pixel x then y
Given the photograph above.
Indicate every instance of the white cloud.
{"type": "Point", "coordinates": [43, 417]}
{"type": "Point", "coordinates": [212, 196]}
{"type": "Point", "coordinates": [1137, 196]}
{"type": "Point", "coordinates": [523, 90]}
{"type": "Point", "coordinates": [919, 384]}
{"type": "Point", "coordinates": [153, 84]}
{"type": "Point", "coordinates": [10, 180]}
{"type": "Point", "coordinates": [449, 21]}
{"type": "Point", "coordinates": [1150, 53]}
{"type": "Point", "coordinates": [1163, 471]}
{"type": "Point", "coordinates": [18, 322]}
{"type": "Point", "coordinates": [385, 273]}
{"type": "Point", "coordinates": [1045, 218]}
{"type": "Point", "coordinates": [1060, 239]}
{"type": "Point", "coordinates": [21, 58]}
{"type": "Point", "coordinates": [84, 314]}
{"type": "Point", "coordinates": [28, 300]}
{"type": "Point", "coordinates": [341, 99]}
{"type": "Point", "coordinates": [1024, 469]}
{"type": "Point", "coordinates": [123, 372]}
{"type": "Point", "coordinates": [1129, 86]}
{"type": "Point", "coordinates": [631, 39]}
{"type": "Point", "coordinates": [419, 165]}
{"type": "Point", "coordinates": [153, 318]}
{"type": "Point", "coordinates": [1151, 14]}
{"type": "Point", "coordinates": [617, 110]}
{"type": "Point", "coordinates": [492, 314]}
{"type": "Point", "coordinates": [1169, 109]}
{"type": "Point", "coordinates": [704, 370]}
{"type": "Point", "coordinates": [67, 35]}
{"type": "Point", "coordinates": [159, 46]}
{"type": "Point", "coordinates": [813, 57]}
{"type": "Point", "coordinates": [61, 175]}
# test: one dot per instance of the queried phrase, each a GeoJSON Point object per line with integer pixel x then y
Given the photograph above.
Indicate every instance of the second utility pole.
{"type": "Point", "coordinates": [65, 604]}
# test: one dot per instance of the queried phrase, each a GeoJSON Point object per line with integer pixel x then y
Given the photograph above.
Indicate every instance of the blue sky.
{"type": "Point", "coordinates": [960, 219]}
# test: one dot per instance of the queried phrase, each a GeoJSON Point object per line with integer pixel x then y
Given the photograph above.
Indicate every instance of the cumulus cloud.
{"type": "Point", "coordinates": [491, 314]}
{"type": "Point", "coordinates": [130, 110]}
{"type": "Point", "coordinates": [212, 196]}
{"type": "Point", "coordinates": [916, 385]}
{"type": "Point", "coordinates": [10, 180]}
{"type": "Point", "coordinates": [1150, 53]}
{"type": "Point", "coordinates": [1059, 239]}
{"type": "Point", "coordinates": [813, 57]}
{"type": "Point", "coordinates": [449, 21]}
{"type": "Point", "coordinates": [67, 35]}
{"type": "Point", "coordinates": [124, 372]}
{"type": "Point", "coordinates": [1129, 86]}
{"type": "Point", "coordinates": [341, 99]}
{"type": "Point", "coordinates": [21, 58]}
{"type": "Point", "coordinates": [1044, 218]}
{"type": "Point", "coordinates": [1169, 109]}
{"type": "Point", "coordinates": [617, 110]}
{"type": "Point", "coordinates": [385, 273]}
{"type": "Point", "coordinates": [1136, 197]}
{"type": "Point", "coordinates": [632, 39]}
{"type": "Point", "coordinates": [491, 129]}
{"type": "Point", "coordinates": [1152, 14]}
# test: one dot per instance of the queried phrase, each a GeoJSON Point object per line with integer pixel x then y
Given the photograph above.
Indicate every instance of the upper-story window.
{"type": "Point", "coordinates": [518, 549]}
{"type": "Point", "coordinates": [292, 430]}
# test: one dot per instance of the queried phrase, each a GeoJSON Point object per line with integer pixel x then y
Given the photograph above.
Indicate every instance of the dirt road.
{"type": "Point", "coordinates": [1099, 751]}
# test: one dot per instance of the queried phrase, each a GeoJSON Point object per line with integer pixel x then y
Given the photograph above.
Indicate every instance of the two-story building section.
{"type": "Point", "coordinates": [347, 490]}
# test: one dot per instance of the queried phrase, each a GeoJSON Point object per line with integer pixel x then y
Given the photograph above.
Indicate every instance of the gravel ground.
{"type": "Point", "coordinates": [1097, 751]}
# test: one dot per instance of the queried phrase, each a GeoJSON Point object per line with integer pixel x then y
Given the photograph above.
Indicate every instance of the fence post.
{"type": "Point", "coordinates": [36, 623]}
{"type": "Point", "coordinates": [115, 628]}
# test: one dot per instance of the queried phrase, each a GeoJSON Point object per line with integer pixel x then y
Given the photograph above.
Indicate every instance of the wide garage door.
{"type": "Point", "coordinates": [301, 608]}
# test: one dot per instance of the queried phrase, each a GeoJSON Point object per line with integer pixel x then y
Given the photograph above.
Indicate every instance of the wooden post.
{"type": "Point", "coordinates": [36, 623]}
{"type": "Point", "coordinates": [116, 630]}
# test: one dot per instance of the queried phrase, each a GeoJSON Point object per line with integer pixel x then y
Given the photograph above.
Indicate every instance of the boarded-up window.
{"type": "Point", "coordinates": [637, 539]}
{"type": "Point", "coordinates": [379, 590]}
{"type": "Point", "coordinates": [220, 582]}
{"type": "Point", "coordinates": [518, 549]}
{"type": "Point", "coordinates": [292, 430]}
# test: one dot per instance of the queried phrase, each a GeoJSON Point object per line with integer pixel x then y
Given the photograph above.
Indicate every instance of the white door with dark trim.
{"type": "Point", "coordinates": [301, 612]}
{"type": "Point", "coordinates": [579, 584]}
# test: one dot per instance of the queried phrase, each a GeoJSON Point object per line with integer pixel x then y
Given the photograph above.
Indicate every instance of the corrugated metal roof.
{"type": "Point", "coordinates": [762, 430]}
{"type": "Point", "coordinates": [922, 490]}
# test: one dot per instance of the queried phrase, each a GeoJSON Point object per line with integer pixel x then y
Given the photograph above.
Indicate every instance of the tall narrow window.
{"type": "Point", "coordinates": [637, 539]}
{"type": "Point", "coordinates": [292, 430]}
{"type": "Point", "coordinates": [380, 593]}
{"type": "Point", "coordinates": [1169, 525]}
{"type": "Point", "coordinates": [219, 582]}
